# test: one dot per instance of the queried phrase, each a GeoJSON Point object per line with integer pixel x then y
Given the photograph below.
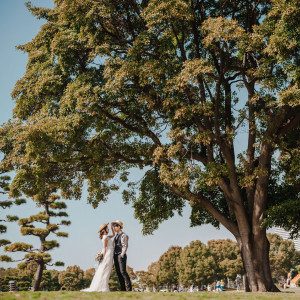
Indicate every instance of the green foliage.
{"type": "Point", "coordinates": [200, 216]}
{"type": "Point", "coordinates": [72, 278]}
{"type": "Point", "coordinates": [61, 214]}
{"type": "Point", "coordinates": [24, 278]}
{"type": "Point", "coordinates": [114, 284]}
{"type": "Point", "coordinates": [48, 245]}
{"type": "Point", "coordinates": [167, 267]}
{"type": "Point", "coordinates": [3, 228]}
{"type": "Point", "coordinates": [5, 258]}
{"type": "Point", "coordinates": [4, 204]}
{"type": "Point", "coordinates": [149, 278]}
{"type": "Point", "coordinates": [226, 254]}
{"type": "Point", "coordinates": [196, 265]}
{"type": "Point", "coordinates": [65, 222]}
{"type": "Point", "coordinates": [35, 218]}
{"type": "Point", "coordinates": [38, 257]}
{"type": "Point", "coordinates": [62, 234]}
{"type": "Point", "coordinates": [283, 256]}
{"type": "Point", "coordinates": [155, 202]}
{"type": "Point", "coordinates": [52, 227]}
{"type": "Point", "coordinates": [4, 242]}
{"type": "Point", "coordinates": [12, 218]}
{"type": "Point", "coordinates": [18, 247]}
{"type": "Point", "coordinates": [58, 205]}
{"type": "Point", "coordinates": [285, 213]}
{"type": "Point", "coordinates": [35, 231]}
{"type": "Point", "coordinates": [20, 201]}
{"type": "Point", "coordinates": [24, 282]}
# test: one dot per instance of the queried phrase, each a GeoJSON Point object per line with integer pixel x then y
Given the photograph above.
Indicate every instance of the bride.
{"type": "Point", "coordinates": [101, 277]}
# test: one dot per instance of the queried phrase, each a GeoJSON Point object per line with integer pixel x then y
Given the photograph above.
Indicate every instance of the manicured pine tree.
{"type": "Point", "coordinates": [40, 256]}
{"type": "Point", "coordinates": [4, 204]}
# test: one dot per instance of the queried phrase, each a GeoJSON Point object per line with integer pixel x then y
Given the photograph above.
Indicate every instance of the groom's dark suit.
{"type": "Point", "coordinates": [120, 258]}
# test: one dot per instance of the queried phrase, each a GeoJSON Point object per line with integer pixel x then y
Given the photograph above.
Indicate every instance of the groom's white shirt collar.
{"type": "Point", "coordinates": [119, 233]}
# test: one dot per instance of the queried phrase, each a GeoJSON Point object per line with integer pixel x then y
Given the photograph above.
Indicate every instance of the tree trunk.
{"type": "Point", "coordinates": [255, 255]}
{"type": "Point", "coordinates": [38, 277]}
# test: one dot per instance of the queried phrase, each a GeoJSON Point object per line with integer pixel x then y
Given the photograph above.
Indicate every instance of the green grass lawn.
{"type": "Point", "coordinates": [150, 296]}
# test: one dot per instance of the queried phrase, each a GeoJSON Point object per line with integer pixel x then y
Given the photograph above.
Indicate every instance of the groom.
{"type": "Point", "coordinates": [120, 257]}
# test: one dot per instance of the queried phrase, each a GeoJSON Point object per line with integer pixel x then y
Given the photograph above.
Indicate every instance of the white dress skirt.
{"type": "Point", "coordinates": [102, 275]}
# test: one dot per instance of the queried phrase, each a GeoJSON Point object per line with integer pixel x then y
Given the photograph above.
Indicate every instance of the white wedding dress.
{"type": "Point", "coordinates": [102, 274]}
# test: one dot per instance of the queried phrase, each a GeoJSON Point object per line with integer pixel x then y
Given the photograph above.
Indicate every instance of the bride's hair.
{"type": "Point", "coordinates": [103, 231]}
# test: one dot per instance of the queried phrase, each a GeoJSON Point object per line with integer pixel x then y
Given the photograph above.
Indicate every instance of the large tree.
{"type": "Point", "coordinates": [116, 84]}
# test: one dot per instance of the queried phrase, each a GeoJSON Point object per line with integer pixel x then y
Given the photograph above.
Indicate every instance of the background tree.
{"type": "Point", "coordinates": [114, 284]}
{"type": "Point", "coordinates": [53, 283]}
{"type": "Point", "coordinates": [72, 279]}
{"type": "Point", "coordinates": [88, 276]}
{"type": "Point", "coordinates": [196, 265]}
{"type": "Point", "coordinates": [40, 256]}
{"type": "Point", "coordinates": [131, 273]}
{"type": "Point", "coordinates": [167, 267]}
{"type": "Point", "coordinates": [143, 279]}
{"type": "Point", "coordinates": [152, 84]}
{"type": "Point", "coordinates": [23, 278]}
{"type": "Point", "coordinates": [227, 256]}
{"type": "Point", "coordinates": [283, 256]}
{"type": "Point", "coordinates": [149, 278]}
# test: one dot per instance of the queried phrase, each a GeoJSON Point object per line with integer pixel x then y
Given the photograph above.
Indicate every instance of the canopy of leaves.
{"type": "Point", "coordinates": [283, 256]}
{"type": "Point", "coordinates": [113, 85]}
{"type": "Point", "coordinates": [167, 267]}
{"type": "Point", "coordinates": [196, 265]}
{"type": "Point", "coordinates": [227, 257]}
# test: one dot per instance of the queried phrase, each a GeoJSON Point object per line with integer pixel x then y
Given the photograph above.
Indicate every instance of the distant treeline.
{"type": "Point", "coordinates": [196, 264]}
{"type": "Point", "coordinates": [72, 279]}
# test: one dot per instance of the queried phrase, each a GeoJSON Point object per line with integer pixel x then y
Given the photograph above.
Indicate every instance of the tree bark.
{"type": "Point", "coordinates": [255, 256]}
{"type": "Point", "coordinates": [38, 276]}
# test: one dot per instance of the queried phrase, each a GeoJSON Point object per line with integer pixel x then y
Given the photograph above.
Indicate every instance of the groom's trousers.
{"type": "Point", "coordinates": [120, 265]}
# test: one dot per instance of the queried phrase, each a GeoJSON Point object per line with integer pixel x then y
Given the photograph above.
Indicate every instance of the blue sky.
{"type": "Point", "coordinates": [18, 26]}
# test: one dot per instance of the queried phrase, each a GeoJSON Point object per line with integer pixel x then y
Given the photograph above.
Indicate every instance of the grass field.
{"type": "Point", "coordinates": [150, 296]}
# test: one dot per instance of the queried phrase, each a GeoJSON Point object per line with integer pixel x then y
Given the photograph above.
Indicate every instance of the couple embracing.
{"type": "Point", "coordinates": [114, 250]}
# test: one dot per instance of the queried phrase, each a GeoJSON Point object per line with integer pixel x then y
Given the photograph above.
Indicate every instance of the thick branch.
{"type": "Point", "coordinates": [207, 205]}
